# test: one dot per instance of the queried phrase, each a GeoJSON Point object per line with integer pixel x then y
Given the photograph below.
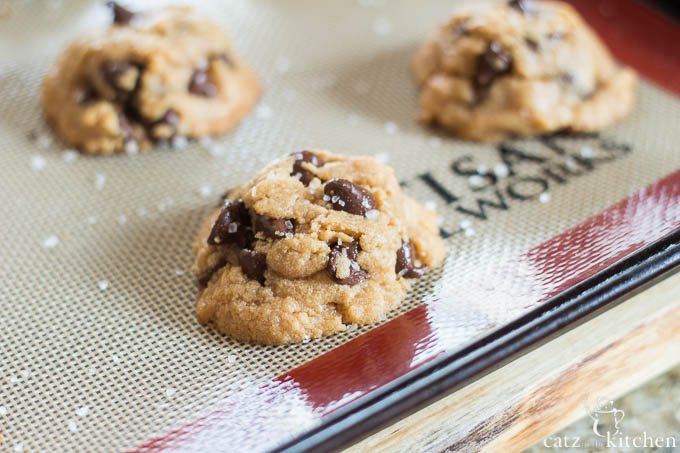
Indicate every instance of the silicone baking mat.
{"type": "Point", "coordinates": [99, 347]}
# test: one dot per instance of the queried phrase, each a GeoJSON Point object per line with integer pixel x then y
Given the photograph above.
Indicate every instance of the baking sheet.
{"type": "Point", "coordinates": [100, 349]}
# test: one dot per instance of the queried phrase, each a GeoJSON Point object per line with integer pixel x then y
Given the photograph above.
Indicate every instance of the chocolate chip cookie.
{"type": "Point", "coordinates": [316, 241]}
{"type": "Point", "coordinates": [520, 68]}
{"type": "Point", "coordinates": [150, 77]}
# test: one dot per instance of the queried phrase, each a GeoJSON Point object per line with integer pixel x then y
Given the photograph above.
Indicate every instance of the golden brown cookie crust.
{"type": "Point", "coordinates": [158, 56]}
{"type": "Point", "coordinates": [560, 75]}
{"type": "Point", "coordinates": [300, 298]}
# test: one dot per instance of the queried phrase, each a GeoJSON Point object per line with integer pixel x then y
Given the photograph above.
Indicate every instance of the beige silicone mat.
{"type": "Point", "coordinates": [99, 348]}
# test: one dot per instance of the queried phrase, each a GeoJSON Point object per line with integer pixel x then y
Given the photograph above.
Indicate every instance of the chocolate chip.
{"type": "Point", "coordinates": [121, 15]}
{"type": "Point", "coordinates": [342, 264]}
{"type": "Point", "coordinates": [122, 76]}
{"type": "Point", "coordinates": [253, 264]}
{"type": "Point", "coordinates": [347, 196]}
{"type": "Point", "coordinates": [520, 5]}
{"type": "Point", "coordinates": [165, 127]}
{"type": "Point", "coordinates": [205, 277]}
{"type": "Point", "coordinates": [201, 85]}
{"type": "Point", "coordinates": [405, 262]}
{"type": "Point", "coordinates": [531, 44]}
{"type": "Point", "coordinates": [232, 225]}
{"type": "Point", "coordinates": [306, 176]}
{"type": "Point", "coordinates": [493, 63]}
{"type": "Point", "coordinates": [273, 228]}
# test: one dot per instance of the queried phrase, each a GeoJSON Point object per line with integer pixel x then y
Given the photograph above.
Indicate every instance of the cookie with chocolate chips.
{"type": "Point", "coordinates": [519, 68]}
{"type": "Point", "coordinates": [150, 77]}
{"type": "Point", "coordinates": [314, 242]}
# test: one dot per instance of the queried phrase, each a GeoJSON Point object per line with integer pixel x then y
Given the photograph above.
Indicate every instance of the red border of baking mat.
{"type": "Point", "coordinates": [638, 37]}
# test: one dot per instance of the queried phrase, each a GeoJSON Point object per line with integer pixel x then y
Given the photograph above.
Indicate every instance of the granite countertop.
{"type": "Point", "coordinates": [649, 412]}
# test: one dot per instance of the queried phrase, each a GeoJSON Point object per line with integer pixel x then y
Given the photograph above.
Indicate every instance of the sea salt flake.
{"type": "Point", "coordinates": [231, 358]}
{"type": "Point", "coordinates": [72, 426]}
{"type": "Point", "coordinates": [464, 224]}
{"type": "Point", "coordinates": [69, 155]}
{"type": "Point", "coordinates": [82, 411]}
{"type": "Point", "coordinates": [50, 242]}
{"type": "Point", "coordinates": [544, 197]}
{"type": "Point", "coordinates": [341, 202]}
{"type": "Point", "coordinates": [476, 181]}
{"type": "Point", "coordinates": [99, 181]}
{"type": "Point", "coordinates": [326, 198]}
{"type": "Point", "coordinates": [103, 285]}
{"type": "Point", "coordinates": [587, 152]}
{"type": "Point", "coordinates": [233, 227]}
{"type": "Point", "coordinates": [469, 232]}
{"type": "Point", "coordinates": [382, 26]}
{"type": "Point", "coordinates": [38, 162]}
{"type": "Point", "coordinates": [391, 128]}
{"type": "Point", "coordinates": [372, 214]}
{"type": "Point", "coordinates": [169, 392]}
{"type": "Point", "coordinates": [501, 170]}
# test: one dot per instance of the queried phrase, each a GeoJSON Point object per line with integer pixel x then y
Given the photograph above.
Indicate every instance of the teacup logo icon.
{"type": "Point", "coordinates": [606, 415]}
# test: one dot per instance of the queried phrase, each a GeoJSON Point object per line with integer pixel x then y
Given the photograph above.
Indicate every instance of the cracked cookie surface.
{"type": "Point", "coordinates": [150, 77]}
{"type": "Point", "coordinates": [312, 243]}
{"type": "Point", "coordinates": [519, 68]}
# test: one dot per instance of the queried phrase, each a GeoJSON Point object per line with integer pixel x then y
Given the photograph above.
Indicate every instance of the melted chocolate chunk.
{"type": "Point", "coordinates": [232, 225]}
{"type": "Point", "coordinates": [165, 127]}
{"type": "Point", "coordinates": [306, 176]}
{"type": "Point", "coordinates": [204, 278]}
{"type": "Point", "coordinates": [201, 85]}
{"type": "Point", "coordinates": [122, 76]}
{"type": "Point", "coordinates": [253, 264]}
{"type": "Point", "coordinates": [531, 44]}
{"type": "Point", "coordinates": [273, 228]}
{"type": "Point", "coordinates": [493, 63]}
{"type": "Point", "coordinates": [405, 262]}
{"type": "Point", "coordinates": [121, 15]}
{"type": "Point", "coordinates": [342, 260]}
{"type": "Point", "coordinates": [347, 196]}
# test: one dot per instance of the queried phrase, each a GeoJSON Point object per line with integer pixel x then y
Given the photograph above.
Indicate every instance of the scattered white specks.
{"type": "Point", "coordinates": [83, 411]}
{"type": "Point", "coordinates": [465, 224]}
{"type": "Point", "coordinates": [353, 119]}
{"type": "Point", "coordinates": [91, 371]}
{"type": "Point", "coordinates": [372, 214]}
{"type": "Point", "coordinates": [122, 219]}
{"type": "Point", "coordinates": [501, 170]}
{"type": "Point", "coordinates": [544, 197]}
{"type": "Point", "coordinates": [99, 181]}
{"type": "Point", "coordinates": [179, 272]}
{"type": "Point", "coordinates": [232, 227]}
{"type": "Point", "coordinates": [383, 158]}
{"type": "Point", "coordinates": [3, 410]}
{"type": "Point", "coordinates": [91, 220]}
{"type": "Point", "coordinates": [571, 163]}
{"type": "Point", "coordinates": [103, 285]}
{"type": "Point", "coordinates": [434, 142]}
{"type": "Point", "coordinates": [131, 148]}
{"type": "Point", "coordinates": [18, 447]}
{"type": "Point", "coordinates": [469, 232]}
{"type": "Point", "coordinates": [50, 242]}
{"type": "Point", "coordinates": [482, 169]}
{"type": "Point", "coordinates": [217, 149]}
{"type": "Point", "coordinates": [430, 205]}
{"type": "Point", "coordinates": [231, 358]}
{"type": "Point", "coordinates": [43, 141]}
{"type": "Point", "coordinates": [205, 190]}
{"type": "Point", "coordinates": [476, 181]}
{"type": "Point", "coordinates": [382, 26]}
{"type": "Point", "coordinates": [179, 142]}
{"type": "Point", "coordinates": [169, 392]}
{"type": "Point", "coordinates": [72, 426]}
{"type": "Point", "coordinates": [587, 152]}
{"type": "Point", "coordinates": [38, 162]}
{"type": "Point", "coordinates": [362, 87]}
{"type": "Point", "coordinates": [391, 127]}
{"type": "Point", "coordinates": [326, 198]}
{"type": "Point", "coordinates": [70, 155]}
{"type": "Point", "coordinates": [282, 65]}
{"type": "Point", "coordinates": [264, 112]}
